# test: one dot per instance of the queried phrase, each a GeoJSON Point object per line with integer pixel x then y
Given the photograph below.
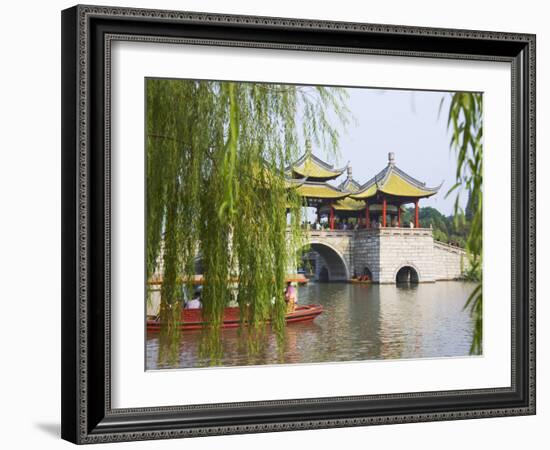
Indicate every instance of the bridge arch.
{"type": "Point", "coordinates": [335, 263]}
{"type": "Point", "coordinates": [407, 273]}
{"type": "Point", "coordinates": [366, 271]}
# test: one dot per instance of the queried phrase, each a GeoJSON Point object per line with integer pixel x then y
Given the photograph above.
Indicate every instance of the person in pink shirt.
{"type": "Point", "coordinates": [290, 297]}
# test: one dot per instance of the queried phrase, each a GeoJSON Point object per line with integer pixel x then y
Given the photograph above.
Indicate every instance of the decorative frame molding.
{"type": "Point", "coordinates": [87, 34]}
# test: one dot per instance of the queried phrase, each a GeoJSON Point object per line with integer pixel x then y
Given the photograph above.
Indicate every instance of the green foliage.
{"type": "Point", "coordinates": [439, 235]}
{"type": "Point", "coordinates": [465, 118]}
{"type": "Point", "coordinates": [447, 229]}
{"type": "Point", "coordinates": [216, 153]}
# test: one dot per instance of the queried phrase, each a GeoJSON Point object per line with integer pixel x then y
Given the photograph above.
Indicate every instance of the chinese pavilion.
{"type": "Point", "coordinates": [310, 176]}
{"type": "Point", "coordinates": [377, 203]}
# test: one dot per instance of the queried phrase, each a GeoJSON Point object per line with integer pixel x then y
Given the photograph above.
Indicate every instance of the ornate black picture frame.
{"type": "Point", "coordinates": [87, 34]}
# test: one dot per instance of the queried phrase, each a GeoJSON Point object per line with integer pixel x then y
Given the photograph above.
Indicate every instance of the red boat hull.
{"type": "Point", "coordinates": [191, 319]}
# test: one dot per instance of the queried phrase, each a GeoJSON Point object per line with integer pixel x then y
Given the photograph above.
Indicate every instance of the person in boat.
{"type": "Point", "coordinates": [195, 302]}
{"type": "Point", "coordinates": [290, 297]}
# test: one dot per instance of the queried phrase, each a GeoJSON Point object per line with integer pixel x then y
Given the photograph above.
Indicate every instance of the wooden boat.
{"type": "Point", "coordinates": [191, 319]}
{"type": "Point", "coordinates": [298, 278]}
{"type": "Point", "coordinates": [357, 281]}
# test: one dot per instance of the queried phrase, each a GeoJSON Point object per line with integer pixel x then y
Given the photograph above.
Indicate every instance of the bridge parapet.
{"type": "Point", "coordinates": [331, 233]}
{"type": "Point", "coordinates": [449, 248]}
{"type": "Point", "coordinates": [395, 231]}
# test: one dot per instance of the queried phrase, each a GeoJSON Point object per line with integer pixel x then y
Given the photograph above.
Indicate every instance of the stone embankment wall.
{"type": "Point", "coordinates": [450, 261]}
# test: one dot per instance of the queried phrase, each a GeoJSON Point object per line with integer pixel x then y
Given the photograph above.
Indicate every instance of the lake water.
{"type": "Point", "coordinates": [360, 322]}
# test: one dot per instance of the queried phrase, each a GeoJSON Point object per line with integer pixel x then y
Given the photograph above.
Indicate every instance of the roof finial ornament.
{"type": "Point", "coordinates": [349, 172]}
{"type": "Point", "coordinates": [391, 158]}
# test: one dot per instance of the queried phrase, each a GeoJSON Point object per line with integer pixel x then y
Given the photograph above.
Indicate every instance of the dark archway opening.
{"type": "Point", "coordinates": [323, 275]}
{"type": "Point", "coordinates": [329, 265]}
{"type": "Point", "coordinates": [308, 266]}
{"type": "Point", "coordinates": [407, 275]}
{"type": "Point", "coordinates": [367, 273]}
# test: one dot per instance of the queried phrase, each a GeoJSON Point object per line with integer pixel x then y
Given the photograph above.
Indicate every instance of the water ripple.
{"type": "Point", "coordinates": [360, 322]}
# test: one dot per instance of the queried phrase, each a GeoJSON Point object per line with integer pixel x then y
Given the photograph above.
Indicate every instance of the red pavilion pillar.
{"type": "Point", "coordinates": [331, 218]}
{"type": "Point", "coordinates": [384, 213]}
{"type": "Point", "coordinates": [367, 215]}
{"type": "Point", "coordinates": [398, 216]}
{"type": "Point", "coordinates": [416, 224]}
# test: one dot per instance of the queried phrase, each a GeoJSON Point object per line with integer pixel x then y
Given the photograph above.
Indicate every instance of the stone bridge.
{"type": "Point", "coordinates": [386, 254]}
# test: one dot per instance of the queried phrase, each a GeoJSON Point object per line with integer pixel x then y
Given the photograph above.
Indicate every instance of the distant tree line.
{"type": "Point", "coordinates": [453, 229]}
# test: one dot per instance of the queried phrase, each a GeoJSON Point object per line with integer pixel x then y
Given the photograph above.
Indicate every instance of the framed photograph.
{"type": "Point", "coordinates": [280, 224]}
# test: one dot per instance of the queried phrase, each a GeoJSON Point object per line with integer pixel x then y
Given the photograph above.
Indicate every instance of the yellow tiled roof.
{"type": "Point", "coordinates": [393, 181]}
{"type": "Point", "coordinates": [294, 183]}
{"type": "Point", "coordinates": [320, 190]}
{"type": "Point", "coordinates": [367, 193]}
{"type": "Point", "coordinates": [348, 204]}
{"type": "Point", "coordinates": [350, 185]}
{"type": "Point", "coordinates": [397, 185]}
{"type": "Point", "coordinates": [311, 167]}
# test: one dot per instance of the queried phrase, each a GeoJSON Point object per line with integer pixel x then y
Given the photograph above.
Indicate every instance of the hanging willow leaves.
{"type": "Point", "coordinates": [465, 118]}
{"type": "Point", "coordinates": [216, 159]}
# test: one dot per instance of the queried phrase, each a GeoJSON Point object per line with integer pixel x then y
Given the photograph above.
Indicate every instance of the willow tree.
{"type": "Point", "coordinates": [216, 159]}
{"type": "Point", "coordinates": [466, 119]}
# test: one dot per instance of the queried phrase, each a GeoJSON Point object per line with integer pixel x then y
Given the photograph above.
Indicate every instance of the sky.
{"type": "Point", "coordinates": [406, 123]}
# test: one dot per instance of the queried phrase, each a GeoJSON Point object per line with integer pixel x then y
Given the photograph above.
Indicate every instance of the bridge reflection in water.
{"type": "Point", "coordinates": [360, 322]}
